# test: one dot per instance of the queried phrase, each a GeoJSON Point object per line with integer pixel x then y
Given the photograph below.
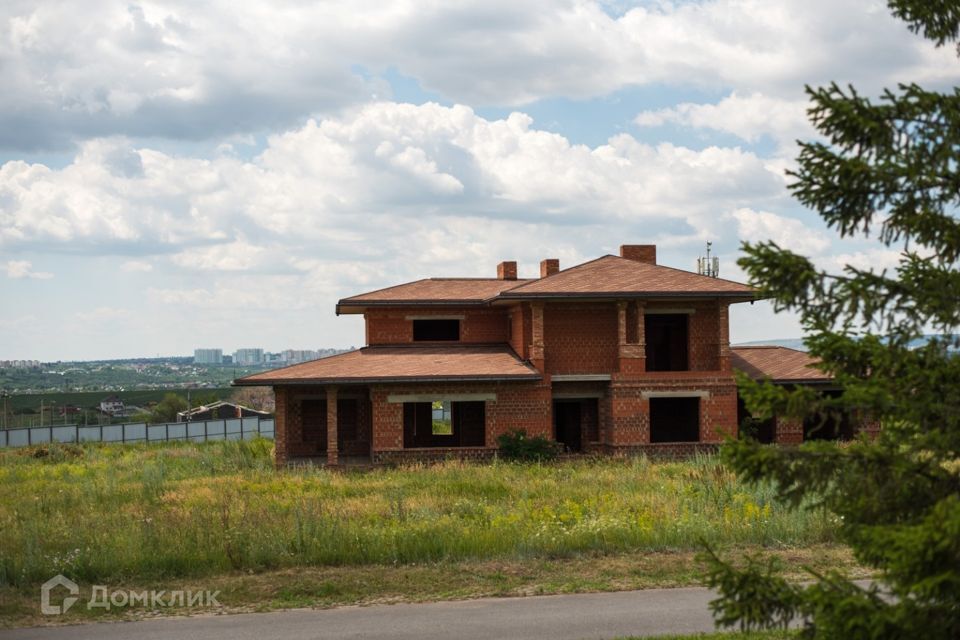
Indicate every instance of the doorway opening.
{"type": "Point", "coordinates": [575, 423]}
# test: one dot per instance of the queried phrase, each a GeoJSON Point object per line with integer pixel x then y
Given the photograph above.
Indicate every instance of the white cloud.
{"type": "Point", "coordinates": [748, 117]}
{"type": "Point", "coordinates": [788, 233]}
{"type": "Point", "coordinates": [363, 185]}
{"type": "Point", "coordinates": [137, 266]}
{"type": "Point", "coordinates": [205, 70]}
{"type": "Point", "coordinates": [17, 269]}
{"type": "Point", "coordinates": [874, 258]}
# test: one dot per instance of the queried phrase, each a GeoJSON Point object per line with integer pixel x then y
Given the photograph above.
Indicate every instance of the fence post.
{"type": "Point", "coordinates": [206, 435]}
{"type": "Point", "coordinates": [76, 433]}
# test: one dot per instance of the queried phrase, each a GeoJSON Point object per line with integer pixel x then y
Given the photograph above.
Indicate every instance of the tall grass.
{"type": "Point", "coordinates": [108, 513]}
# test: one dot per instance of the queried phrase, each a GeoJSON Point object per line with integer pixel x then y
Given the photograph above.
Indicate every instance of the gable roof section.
{"type": "Point", "coordinates": [779, 364]}
{"type": "Point", "coordinates": [404, 364]}
{"type": "Point", "coordinates": [430, 291]}
{"type": "Point", "coordinates": [614, 276]}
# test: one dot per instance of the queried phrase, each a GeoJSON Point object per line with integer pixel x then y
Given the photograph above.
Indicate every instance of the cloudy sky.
{"type": "Point", "coordinates": [179, 174]}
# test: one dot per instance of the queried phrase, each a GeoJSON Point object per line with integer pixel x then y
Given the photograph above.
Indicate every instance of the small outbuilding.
{"type": "Point", "coordinates": [219, 410]}
{"type": "Point", "coordinates": [790, 368]}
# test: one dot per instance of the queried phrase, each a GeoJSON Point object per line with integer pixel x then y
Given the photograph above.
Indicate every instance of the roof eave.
{"type": "Point", "coordinates": [738, 296]}
{"type": "Point", "coordinates": [346, 307]}
{"type": "Point", "coordinates": [246, 382]}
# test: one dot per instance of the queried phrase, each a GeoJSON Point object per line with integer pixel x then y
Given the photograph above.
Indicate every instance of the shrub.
{"type": "Point", "coordinates": [517, 445]}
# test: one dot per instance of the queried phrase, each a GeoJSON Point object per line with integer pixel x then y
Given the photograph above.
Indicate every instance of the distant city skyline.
{"type": "Point", "coordinates": [182, 174]}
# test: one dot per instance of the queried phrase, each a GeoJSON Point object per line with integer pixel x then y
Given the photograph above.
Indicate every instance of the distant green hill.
{"type": "Point", "coordinates": [28, 402]}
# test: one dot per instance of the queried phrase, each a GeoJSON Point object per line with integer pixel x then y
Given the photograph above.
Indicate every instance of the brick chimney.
{"type": "Point", "coordinates": [639, 252]}
{"type": "Point", "coordinates": [549, 267]}
{"type": "Point", "coordinates": [507, 270]}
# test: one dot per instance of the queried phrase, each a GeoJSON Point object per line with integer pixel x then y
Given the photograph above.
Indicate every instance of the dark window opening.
{"type": "Point", "coordinates": [832, 425]}
{"type": "Point", "coordinates": [436, 330]}
{"type": "Point", "coordinates": [444, 424]}
{"type": "Point", "coordinates": [760, 430]}
{"type": "Point", "coordinates": [666, 338]}
{"type": "Point", "coordinates": [346, 421]}
{"type": "Point", "coordinates": [575, 422]}
{"type": "Point", "coordinates": [567, 426]}
{"type": "Point", "coordinates": [313, 422]}
{"type": "Point", "coordinates": [674, 419]}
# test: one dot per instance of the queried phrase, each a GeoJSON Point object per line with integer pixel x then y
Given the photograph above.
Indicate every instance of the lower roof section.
{"type": "Point", "coordinates": [414, 363]}
{"type": "Point", "coordinates": [779, 364]}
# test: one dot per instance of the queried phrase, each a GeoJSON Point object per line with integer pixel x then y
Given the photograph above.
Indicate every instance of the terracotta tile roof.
{"type": "Point", "coordinates": [433, 290]}
{"type": "Point", "coordinates": [403, 364]}
{"type": "Point", "coordinates": [780, 364]}
{"type": "Point", "coordinates": [612, 275]}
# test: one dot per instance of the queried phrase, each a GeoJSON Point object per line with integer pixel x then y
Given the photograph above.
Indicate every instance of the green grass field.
{"type": "Point", "coordinates": [218, 516]}
{"type": "Point", "coordinates": [105, 513]}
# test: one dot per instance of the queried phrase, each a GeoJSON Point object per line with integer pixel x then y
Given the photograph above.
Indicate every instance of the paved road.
{"type": "Point", "coordinates": [565, 617]}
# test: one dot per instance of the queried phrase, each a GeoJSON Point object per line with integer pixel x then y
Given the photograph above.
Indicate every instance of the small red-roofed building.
{"type": "Point", "coordinates": [617, 355]}
{"type": "Point", "coordinates": [791, 368]}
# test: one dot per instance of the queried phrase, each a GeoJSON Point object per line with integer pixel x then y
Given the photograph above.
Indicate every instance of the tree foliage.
{"type": "Point", "coordinates": [888, 170]}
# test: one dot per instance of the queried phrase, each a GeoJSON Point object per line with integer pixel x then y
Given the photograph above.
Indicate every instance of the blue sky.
{"type": "Point", "coordinates": [177, 175]}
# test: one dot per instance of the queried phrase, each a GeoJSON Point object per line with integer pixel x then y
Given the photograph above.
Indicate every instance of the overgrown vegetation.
{"type": "Point", "coordinates": [518, 446]}
{"type": "Point", "coordinates": [101, 513]}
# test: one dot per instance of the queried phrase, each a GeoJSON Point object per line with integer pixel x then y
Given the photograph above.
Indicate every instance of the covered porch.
{"type": "Point", "coordinates": [384, 404]}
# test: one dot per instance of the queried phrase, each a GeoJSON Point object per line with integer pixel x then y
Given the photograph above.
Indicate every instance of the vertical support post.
{"type": "Point", "coordinates": [621, 323]}
{"type": "Point", "coordinates": [723, 335]}
{"type": "Point", "coordinates": [631, 351]}
{"type": "Point", "coordinates": [641, 327]}
{"type": "Point", "coordinates": [537, 355]}
{"type": "Point", "coordinates": [332, 452]}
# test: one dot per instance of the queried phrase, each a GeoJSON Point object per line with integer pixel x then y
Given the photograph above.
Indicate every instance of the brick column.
{"type": "Point", "coordinates": [723, 335]}
{"type": "Point", "coordinates": [621, 323]}
{"type": "Point", "coordinates": [631, 356]}
{"type": "Point", "coordinates": [641, 327]}
{"type": "Point", "coordinates": [280, 453]}
{"type": "Point", "coordinates": [537, 354]}
{"type": "Point", "coordinates": [332, 453]}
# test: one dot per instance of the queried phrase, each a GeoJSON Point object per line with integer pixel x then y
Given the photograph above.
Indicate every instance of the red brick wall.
{"type": "Point", "coordinates": [630, 412]}
{"type": "Point", "coordinates": [518, 406]}
{"type": "Point", "coordinates": [787, 430]}
{"type": "Point", "coordinates": [391, 326]}
{"type": "Point", "coordinates": [519, 318]}
{"type": "Point", "coordinates": [580, 337]}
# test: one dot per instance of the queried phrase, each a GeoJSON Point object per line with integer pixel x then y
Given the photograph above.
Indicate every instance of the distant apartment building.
{"type": "Point", "coordinates": [293, 356]}
{"type": "Point", "coordinates": [248, 356]}
{"type": "Point", "coordinates": [19, 364]}
{"type": "Point", "coordinates": [208, 356]}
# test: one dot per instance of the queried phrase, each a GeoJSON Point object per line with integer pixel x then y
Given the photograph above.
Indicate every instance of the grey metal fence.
{"type": "Point", "coordinates": [199, 431]}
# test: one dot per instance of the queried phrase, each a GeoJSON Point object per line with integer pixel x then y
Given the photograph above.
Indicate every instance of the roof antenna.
{"type": "Point", "coordinates": [708, 266]}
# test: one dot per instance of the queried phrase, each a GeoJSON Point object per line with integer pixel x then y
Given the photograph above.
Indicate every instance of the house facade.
{"type": "Point", "coordinates": [617, 355]}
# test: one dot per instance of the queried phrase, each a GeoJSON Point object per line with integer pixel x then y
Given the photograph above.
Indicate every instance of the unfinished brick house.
{"type": "Point", "coordinates": [616, 355]}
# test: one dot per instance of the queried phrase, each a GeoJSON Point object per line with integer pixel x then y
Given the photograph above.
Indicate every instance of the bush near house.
{"type": "Point", "coordinates": [517, 445]}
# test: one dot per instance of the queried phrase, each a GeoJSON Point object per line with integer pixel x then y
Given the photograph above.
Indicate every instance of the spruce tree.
{"type": "Point", "coordinates": [887, 169]}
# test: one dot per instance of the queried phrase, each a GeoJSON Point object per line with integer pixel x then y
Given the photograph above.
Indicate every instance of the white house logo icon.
{"type": "Point", "coordinates": [57, 581]}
